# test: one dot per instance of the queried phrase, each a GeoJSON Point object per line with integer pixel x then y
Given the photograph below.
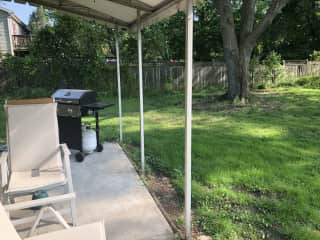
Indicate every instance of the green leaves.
{"type": "Point", "coordinates": [39, 19]}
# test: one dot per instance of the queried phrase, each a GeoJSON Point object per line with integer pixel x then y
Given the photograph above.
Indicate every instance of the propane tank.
{"type": "Point", "coordinates": [89, 140]}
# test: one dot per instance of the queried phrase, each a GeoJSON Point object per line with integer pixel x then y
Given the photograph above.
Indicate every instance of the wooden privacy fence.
{"type": "Point", "coordinates": [212, 74]}
{"type": "Point", "coordinates": [171, 75]}
{"type": "Point", "coordinates": [302, 68]}
{"type": "Point", "coordinates": [156, 76]}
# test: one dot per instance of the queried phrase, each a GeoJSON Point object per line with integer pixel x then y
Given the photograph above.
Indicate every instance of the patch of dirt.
{"type": "Point", "coordinates": [256, 193]}
{"type": "Point", "coordinates": [163, 193]}
{"type": "Point", "coordinates": [216, 103]}
{"type": "Point", "coordinates": [170, 205]}
{"type": "Point", "coordinates": [201, 106]}
{"type": "Point", "coordinates": [167, 199]}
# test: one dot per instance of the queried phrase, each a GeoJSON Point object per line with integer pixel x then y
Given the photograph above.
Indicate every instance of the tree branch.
{"type": "Point", "coordinates": [247, 12]}
{"type": "Point", "coordinates": [275, 8]}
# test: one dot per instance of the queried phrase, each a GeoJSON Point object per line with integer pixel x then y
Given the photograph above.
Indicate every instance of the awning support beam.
{"type": "Point", "coordinates": [167, 6]}
{"type": "Point", "coordinates": [119, 83]}
{"type": "Point", "coordinates": [139, 5]}
{"type": "Point", "coordinates": [139, 37]}
{"type": "Point", "coordinates": [70, 7]}
{"type": "Point", "coordinates": [188, 116]}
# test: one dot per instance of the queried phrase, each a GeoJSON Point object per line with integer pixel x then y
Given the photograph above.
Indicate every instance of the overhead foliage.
{"type": "Point", "coordinates": [295, 34]}
{"type": "Point", "coordinates": [69, 53]}
{"type": "Point", "coordinates": [38, 19]}
{"type": "Point", "coordinates": [72, 52]}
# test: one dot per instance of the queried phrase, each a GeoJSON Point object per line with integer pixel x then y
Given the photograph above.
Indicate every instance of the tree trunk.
{"type": "Point", "coordinates": [232, 60]}
{"type": "Point", "coordinates": [231, 49]}
{"type": "Point", "coordinates": [238, 49]}
{"type": "Point", "coordinates": [244, 73]}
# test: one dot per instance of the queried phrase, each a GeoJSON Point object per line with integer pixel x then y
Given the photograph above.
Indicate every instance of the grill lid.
{"type": "Point", "coordinates": [75, 96]}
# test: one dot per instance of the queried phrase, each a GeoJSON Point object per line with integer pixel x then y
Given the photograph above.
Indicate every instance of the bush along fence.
{"type": "Point", "coordinates": [23, 75]}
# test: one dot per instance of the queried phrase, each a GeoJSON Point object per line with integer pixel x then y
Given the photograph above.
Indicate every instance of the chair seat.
{"type": "Point", "coordinates": [23, 182]}
{"type": "Point", "coordinates": [93, 231]}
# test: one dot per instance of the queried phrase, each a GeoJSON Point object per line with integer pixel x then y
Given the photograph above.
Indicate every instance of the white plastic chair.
{"type": "Point", "coordinates": [35, 160]}
{"type": "Point", "coordinates": [93, 231]}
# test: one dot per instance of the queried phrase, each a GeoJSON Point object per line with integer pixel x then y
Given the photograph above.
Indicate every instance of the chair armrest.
{"type": "Point", "coordinates": [4, 170]}
{"type": "Point", "coordinates": [39, 202]}
{"type": "Point", "coordinates": [66, 159]}
{"type": "Point", "coordinates": [65, 150]}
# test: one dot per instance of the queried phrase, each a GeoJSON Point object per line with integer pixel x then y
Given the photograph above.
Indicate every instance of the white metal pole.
{"type": "Point", "coordinates": [140, 90]}
{"type": "Point", "coordinates": [188, 116]}
{"type": "Point", "coordinates": [119, 83]}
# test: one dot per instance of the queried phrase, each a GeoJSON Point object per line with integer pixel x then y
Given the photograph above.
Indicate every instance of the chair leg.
{"type": "Point", "coordinates": [40, 215]}
{"type": "Point", "coordinates": [36, 222]}
{"type": "Point", "coordinates": [69, 189]}
{"type": "Point", "coordinates": [74, 212]}
{"type": "Point", "coordinates": [61, 220]}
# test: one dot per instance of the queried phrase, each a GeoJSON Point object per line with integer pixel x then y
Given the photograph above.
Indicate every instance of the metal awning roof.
{"type": "Point", "coordinates": [122, 13]}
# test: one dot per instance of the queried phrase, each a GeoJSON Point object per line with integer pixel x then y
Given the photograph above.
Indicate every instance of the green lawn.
{"type": "Point", "coordinates": [256, 169]}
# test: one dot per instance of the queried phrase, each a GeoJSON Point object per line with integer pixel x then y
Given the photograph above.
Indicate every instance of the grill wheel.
{"type": "Point", "coordinates": [79, 157]}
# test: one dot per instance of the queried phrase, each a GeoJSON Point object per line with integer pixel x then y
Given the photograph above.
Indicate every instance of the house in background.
{"type": "Point", "coordinates": [15, 36]}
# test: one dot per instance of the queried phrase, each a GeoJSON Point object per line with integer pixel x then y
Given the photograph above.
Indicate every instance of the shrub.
{"type": "Point", "coordinates": [273, 71]}
{"type": "Point", "coordinates": [268, 72]}
{"type": "Point", "coordinates": [315, 56]}
{"type": "Point", "coordinates": [168, 87]}
{"type": "Point", "coordinates": [305, 82]}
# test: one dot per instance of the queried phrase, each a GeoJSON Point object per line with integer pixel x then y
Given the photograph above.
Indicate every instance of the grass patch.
{"type": "Point", "coordinates": [256, 168]}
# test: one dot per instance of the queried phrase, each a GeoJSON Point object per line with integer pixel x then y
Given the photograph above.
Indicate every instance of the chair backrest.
{"type": "Point", "coordinates": [8, 232]}
{"type": "Point", "coordinates": [33, 136]}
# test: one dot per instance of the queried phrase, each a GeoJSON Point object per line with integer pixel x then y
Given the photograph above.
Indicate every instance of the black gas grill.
{"type": "Point", "coordinates": [72, 106]}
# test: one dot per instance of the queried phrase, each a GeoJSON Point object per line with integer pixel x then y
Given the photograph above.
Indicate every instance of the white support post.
{"type": "Point", "coordinates": [140, 90]}
{"type": "Point", "coordinates": [188, 116]}
{"type": "Point", "coordinates": [119, 83]}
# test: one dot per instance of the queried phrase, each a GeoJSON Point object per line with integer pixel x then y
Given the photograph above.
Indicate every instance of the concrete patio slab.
{"type": "Point", "coordinates": [108, 188]}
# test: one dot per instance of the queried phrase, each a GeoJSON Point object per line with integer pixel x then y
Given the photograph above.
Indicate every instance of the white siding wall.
{"type": "Point", "coordinates": [16, 28]}
{"type": "Point", "coordinates": [5, 46]}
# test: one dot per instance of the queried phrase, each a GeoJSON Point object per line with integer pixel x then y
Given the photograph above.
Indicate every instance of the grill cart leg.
{"type": "Point", "coordinates": [99, 145]}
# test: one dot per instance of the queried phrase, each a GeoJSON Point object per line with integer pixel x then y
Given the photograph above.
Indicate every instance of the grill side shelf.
{"type": "Point", "coordinates": [97, 105]}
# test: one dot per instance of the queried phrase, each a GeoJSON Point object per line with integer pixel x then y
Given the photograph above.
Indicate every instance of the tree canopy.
{"type": "Point", "coordinates": [294, 34]}
{"type": "Point", "coordinates": [69, 51]}
{"type": "Point", "coordinates": [38, 19]}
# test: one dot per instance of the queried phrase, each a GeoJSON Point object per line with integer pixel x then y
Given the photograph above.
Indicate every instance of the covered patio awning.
{"type": "Point", "coordinates": [122, 13]}
{"type": "Point", "coordinates": [133, 15]}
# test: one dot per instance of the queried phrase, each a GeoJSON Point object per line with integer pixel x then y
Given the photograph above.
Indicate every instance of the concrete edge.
{"type": "Point", "coordinates": [172, 225]}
